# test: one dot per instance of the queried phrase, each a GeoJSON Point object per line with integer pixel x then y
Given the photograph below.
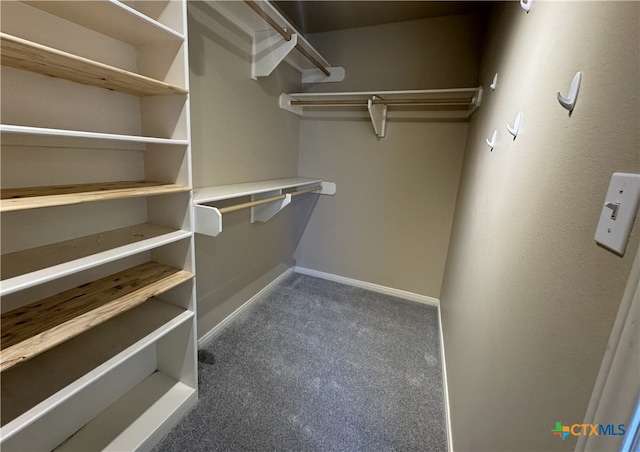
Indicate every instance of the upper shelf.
{"type": "Point", "coordinates": [433, 103]}
{"type": "Point", "coordinates": [22, 54]}
{"type": "Point", "coordinates": [112, 18]}
{"type": "Point", "coordinates": [275, 40]}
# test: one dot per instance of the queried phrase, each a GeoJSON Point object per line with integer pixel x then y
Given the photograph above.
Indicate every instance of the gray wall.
{"type": "Point", "coordinates": [239, 134]}
{"type": "Point", "coordinates": [529, 299]}
{"type": "Point", "coordinates": [390, 220]}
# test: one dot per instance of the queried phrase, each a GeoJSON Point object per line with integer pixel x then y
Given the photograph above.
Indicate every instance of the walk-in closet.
{"type": "Point", "coordinates": [319, 225]}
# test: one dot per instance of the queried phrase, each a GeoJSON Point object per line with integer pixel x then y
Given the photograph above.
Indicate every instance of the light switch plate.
{"type": "Point", "coordinates": [619, 211]}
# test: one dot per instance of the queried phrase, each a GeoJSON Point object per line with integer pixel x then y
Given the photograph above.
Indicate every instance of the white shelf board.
{"type": "Point", "coordinates": [43, 131]}
{"type": "Point", "coordinates": [105, 347]}
{"type": "Point", "coordinates": [112, 18]}
{"type": "Point", "coordinates": [84, 253]}
{"type": "Point", "coordinates": [219, 192]}
{"type": "Point", "coordinates": [251, 23]}
{"type": "Point", "coordinates": [131, 422]}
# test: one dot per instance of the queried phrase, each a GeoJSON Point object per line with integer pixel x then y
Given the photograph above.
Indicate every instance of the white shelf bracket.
{"type": "Point", "coordinates": [208, 220]}
{"type": "Point", "coordinates": [269, 49]}
{"type": "Point", "coordinates": [328, 188]}
{"type": "Point", "coordinates": [265, 212]}
{"type": "Point", "coordinates": [378, 114]}
{"type": "Point", "coordinates": [315, 75]}
{"type": "Point", "coordinates": [476, 101]}
{"type": "Point", "coordinates": [285, 104]}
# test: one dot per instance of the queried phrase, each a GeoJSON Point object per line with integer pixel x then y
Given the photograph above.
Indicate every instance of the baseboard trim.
{"type": "Point", "coordinates": [265, 290]}
{"type": "Point", "coordinates": [445, 385]}
{"type": "Point", "coordinates": [369, 286]}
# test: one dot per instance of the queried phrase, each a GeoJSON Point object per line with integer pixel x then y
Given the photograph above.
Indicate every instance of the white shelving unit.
{"type": "Point", "coordinates": [270, 48]}
{"type": "Point", "coordinates": [97, 284]}
{"type": "Point", "coordinates": [378, 106]}
{"type": "Point", "coordinates": [267, 199]}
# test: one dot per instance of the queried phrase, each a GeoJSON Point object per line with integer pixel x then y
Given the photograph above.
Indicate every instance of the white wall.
{"type": "Point", "coordinates": [390, 220]}
{"type": "Point", "coordinates": [239, 134]}
{"type": "Point", "coordinates": [529, 299]}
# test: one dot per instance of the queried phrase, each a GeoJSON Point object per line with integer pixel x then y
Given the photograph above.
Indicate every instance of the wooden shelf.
{"type": "Point", "coordinates": [13, 199]}
{"type": "Point", "coordinates": [95, 342]}
{"type": "Point", "coordinates": [69, 368]}
{"type": "Point", "coordinates": [37, 327]}
{"type": "Point", "coordinates": [112, 18]}
{"type": "Point", "coordinates": [219, 192]}
{"type": "Point", "coordinates": [130, 423]}
{"type": "Point", "coordinates": [22, 54]}
{"type": "Point", "coordinates": [23, 269]}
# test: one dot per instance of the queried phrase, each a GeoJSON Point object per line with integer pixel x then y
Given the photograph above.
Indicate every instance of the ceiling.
{"type": "Point", "coordinates": [310, 16]}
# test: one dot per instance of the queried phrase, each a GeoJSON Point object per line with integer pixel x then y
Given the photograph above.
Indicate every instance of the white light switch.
{"type": "Point", "coordinates": [619, 210]}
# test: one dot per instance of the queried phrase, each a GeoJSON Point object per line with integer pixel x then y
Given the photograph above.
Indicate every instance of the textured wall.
{"type": "Point", "coordinates": [390, 220]}
{"type": "Point", "coordinates": [529, 299]}
{"type": "Point", "coordinates": [239, 134]}
{"type": "Point", "coordinates": [420, 54]}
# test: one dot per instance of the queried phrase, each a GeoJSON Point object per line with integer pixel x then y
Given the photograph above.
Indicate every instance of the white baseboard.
{"type": "Point", "coordinates": [369, 286]}
{"type": "Point", "coordinates": [445, 386]}
{"type": "Point", "coordinates": [220, 326]}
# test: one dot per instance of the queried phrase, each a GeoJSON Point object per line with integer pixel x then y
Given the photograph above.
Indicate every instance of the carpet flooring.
{"type": "Point", "coordinates": [319, 366]}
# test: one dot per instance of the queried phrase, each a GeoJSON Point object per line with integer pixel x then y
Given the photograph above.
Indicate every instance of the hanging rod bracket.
{"type": "Point", "coordinates": [207, 220]}
{"type": "Point", "coordinates": [285, 103]}
{"type": "Point", "coordinates": [317, 76]}
{"type": "Point", "coordinates": [378, 115]}
{"type": "Point", "coordinates": [328, 188]}
{"type": "Point", "coordinates": [264, 212]}
{"type": "Point", "coordinates": [269, 49]}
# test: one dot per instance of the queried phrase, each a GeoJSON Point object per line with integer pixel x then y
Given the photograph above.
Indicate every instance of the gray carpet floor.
{"type": "Point", "coordinates": [319, 366]}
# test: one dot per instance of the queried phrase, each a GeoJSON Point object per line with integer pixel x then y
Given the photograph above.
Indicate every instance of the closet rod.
{"type": "Point", "coordinates": [359, 102]}
{"type": "Point", "coordinates": [285, 34]}
{"type": "Point", "coordinates": [246, 205]}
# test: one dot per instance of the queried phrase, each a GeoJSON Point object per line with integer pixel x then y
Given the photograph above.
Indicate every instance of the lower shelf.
{"type": "Point", "coordinates": [47, 399]}
{"type": "Point", "coordinates": [131, 423]}
{"type": "Point", "coordinates": [37, 327]}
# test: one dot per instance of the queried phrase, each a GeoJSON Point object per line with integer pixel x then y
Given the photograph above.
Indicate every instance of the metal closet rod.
{"type": "Point", "coordinates": [285, 34]}
{"type": "Point", "coordinates": [246, 205]}
{"type": "Point", "coordinates": [360, 102]}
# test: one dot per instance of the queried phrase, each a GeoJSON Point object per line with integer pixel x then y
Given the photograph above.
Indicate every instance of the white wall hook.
{"type": "Point", "coordinates": [516, 125]}
{"type": "Point", "coordinates": [492, 143]}
{"type": "Point", "coordinates": [526, 5]}
{"type": "Point", "coordinates": [494, 82]}
{"type": "Point", "coordinates": [570, 101]}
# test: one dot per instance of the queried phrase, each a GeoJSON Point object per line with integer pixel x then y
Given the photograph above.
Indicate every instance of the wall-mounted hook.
{"type": "Point", "coordinates": [526, 5]}
{"type": "Point", "coordinates": [494, 82]}
{"type": "Point", "coordinates": [570, 101]}
{"type": "Point", "coordinates": [492, 143]}
{"type": "Point", "coordinates": [516, 125]}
